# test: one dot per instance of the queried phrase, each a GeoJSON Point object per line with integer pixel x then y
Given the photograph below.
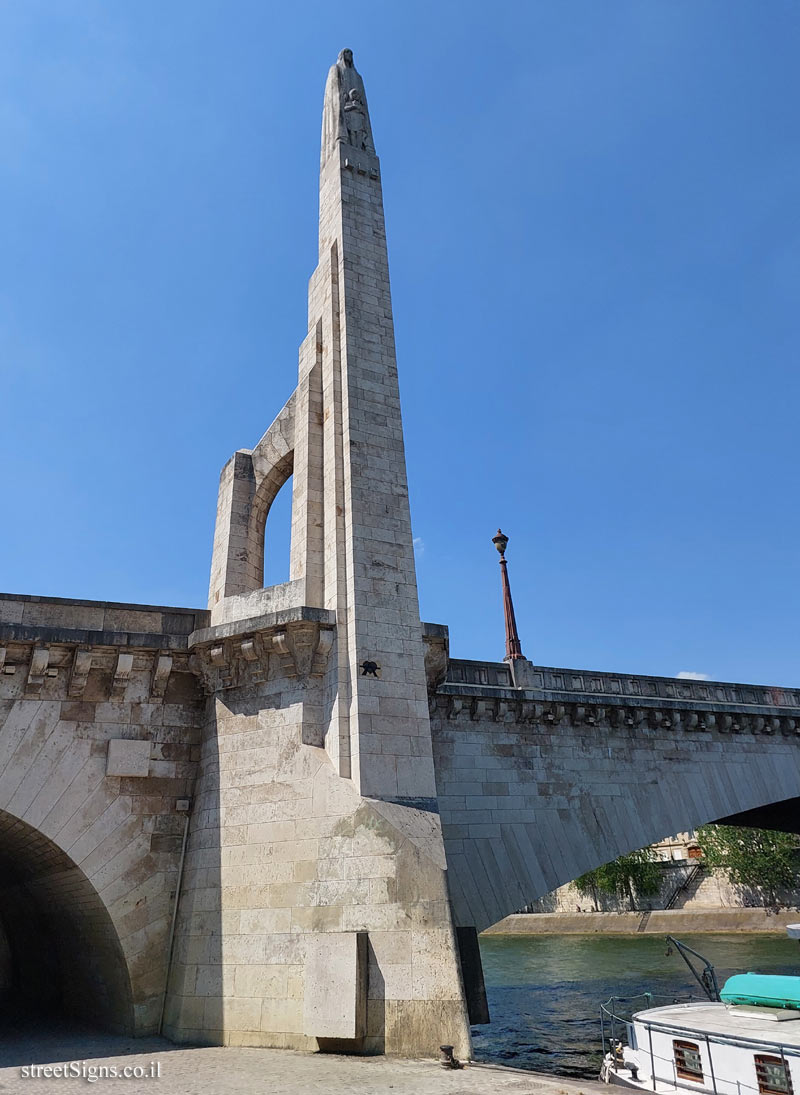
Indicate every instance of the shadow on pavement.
{"type": "Point", "coordinates": [40, 1041]}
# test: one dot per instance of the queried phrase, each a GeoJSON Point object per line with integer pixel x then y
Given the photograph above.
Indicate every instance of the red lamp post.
{"type": "Point", "coordinates": [513, 645]}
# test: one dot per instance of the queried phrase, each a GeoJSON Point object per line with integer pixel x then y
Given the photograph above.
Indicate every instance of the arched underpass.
{"type": "Point", "coordinates": [59, 951]}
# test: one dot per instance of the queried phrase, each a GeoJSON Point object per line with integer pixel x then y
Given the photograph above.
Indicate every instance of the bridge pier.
{"type": "Point", "coordinates": [315, 910]}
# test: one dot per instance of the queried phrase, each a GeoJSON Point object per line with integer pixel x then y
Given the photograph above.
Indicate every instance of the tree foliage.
{"type": "Point", "coordinates": [761, 859]}
{"type": "Point", "coordinates": [588, 884]}
{"type": "Point", "coordinates": [630, 876]}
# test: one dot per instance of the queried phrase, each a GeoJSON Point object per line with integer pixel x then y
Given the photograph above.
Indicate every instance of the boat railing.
{"type": "Point", "coordinates": [612, 1021]}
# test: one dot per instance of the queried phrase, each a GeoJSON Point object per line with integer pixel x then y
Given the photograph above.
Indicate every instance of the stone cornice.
{"type": "Point", "coordinates": [237, 654]}
{"type": "Point", "coordinates": [40, 668]}
{"type": "Point", "coordinates": [528, 707]}
{"type": "Point", "coordinates": [267, 622]}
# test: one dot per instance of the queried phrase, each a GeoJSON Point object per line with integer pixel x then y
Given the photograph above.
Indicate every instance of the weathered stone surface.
{"type": "Point", "coordinates": [128, 757]}
{"type": "Point", "coordinates": [541, 783]}
{"type": "Point", "coordinates": [328, 772]}
{"type": "Point", "coordinates": [335, 992]}
{"type": "Point", "coordinates": [315, 816]}
{"type": "Point", "coordinates": [88, 858]}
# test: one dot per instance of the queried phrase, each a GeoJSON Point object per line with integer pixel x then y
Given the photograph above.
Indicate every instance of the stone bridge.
{"type": "Point", "coordinates": [542, 778]}
{"type": "Point", "coordinates": [541, 774]}
{"type": "Point", "coordinates": [279, 820]}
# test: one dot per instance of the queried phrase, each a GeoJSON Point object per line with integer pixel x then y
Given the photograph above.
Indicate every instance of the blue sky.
{"type": "Point", "coordinates": [593, 228]}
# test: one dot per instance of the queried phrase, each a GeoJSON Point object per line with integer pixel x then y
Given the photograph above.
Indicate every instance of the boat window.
{"type": "Point", "coordinates": [688, 1063]}
{"type": "Point", "coordinates": [773, 1076]}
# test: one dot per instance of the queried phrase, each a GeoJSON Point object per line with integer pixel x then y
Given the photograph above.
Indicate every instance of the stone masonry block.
{"type": "Point", "coordinates": [128, 758]}
{"type": "Point", "coordinates": [335, 999]}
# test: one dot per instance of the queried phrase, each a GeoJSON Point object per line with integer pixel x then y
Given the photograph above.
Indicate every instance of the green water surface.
{"type": "Point", "coordinates": [545, 991]}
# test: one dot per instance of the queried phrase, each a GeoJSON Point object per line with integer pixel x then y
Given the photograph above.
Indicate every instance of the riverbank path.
{"type": "Point", "coordinates": [177, 1070]}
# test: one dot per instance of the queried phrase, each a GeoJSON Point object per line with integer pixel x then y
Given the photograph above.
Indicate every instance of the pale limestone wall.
{"type": "Point", "coordinates": [528, 804]}
{"type": "Point", "coordinates": [716, 891]}
{"type": "Point", "coordinates": [568, 899]}
{"type": "Point", "coordinates": [316, 808]}
{"type": "Point", "coordinates": [282, 848]}
{"type": "Point", "coordinates": [89, 860]}
{"type": "Point", "coordinates": [389, 726]}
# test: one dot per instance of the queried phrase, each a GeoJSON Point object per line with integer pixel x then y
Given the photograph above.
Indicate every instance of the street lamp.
{"type": "Point", "coordinates": [513, 645]}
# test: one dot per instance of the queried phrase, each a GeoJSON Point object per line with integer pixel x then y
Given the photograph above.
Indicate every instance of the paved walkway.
{"type": "Point", "coordinates": [253, 1071]}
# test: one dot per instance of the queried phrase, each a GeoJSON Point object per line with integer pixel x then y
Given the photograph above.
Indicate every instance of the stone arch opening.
{"type": "Point", "coordinates": [59, 951]}
{"type": "Point", "coordinates": [277, 537]}
{"type": "Point", "coordinates": [266, 492]}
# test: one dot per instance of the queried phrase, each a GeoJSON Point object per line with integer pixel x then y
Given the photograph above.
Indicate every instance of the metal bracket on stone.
{"type": "Point", "coordinates": [122, 674]}
{"type": "Point", "coordinates": [81, 665]}
{"type": "Point", "coordinates": [162, 667]}
{"type": "Point", "coordinates": [37, 672]}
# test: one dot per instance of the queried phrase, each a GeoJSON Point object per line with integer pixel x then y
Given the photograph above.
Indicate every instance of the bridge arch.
{"type": "Point", "coordinates": [529, 806]}
{"type": "Point", "coordinates": [59, 949]}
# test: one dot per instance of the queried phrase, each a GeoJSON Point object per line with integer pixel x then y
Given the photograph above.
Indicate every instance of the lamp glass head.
{"type": "Point", "coordinates": [500, 541]}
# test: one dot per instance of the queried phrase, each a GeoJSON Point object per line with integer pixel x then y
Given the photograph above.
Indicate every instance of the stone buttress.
{"type": "Point", "coordinates": [314, 910]}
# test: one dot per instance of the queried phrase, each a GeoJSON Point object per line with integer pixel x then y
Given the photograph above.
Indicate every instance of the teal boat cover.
{"type": "Point", "coordinates": [763, 990]}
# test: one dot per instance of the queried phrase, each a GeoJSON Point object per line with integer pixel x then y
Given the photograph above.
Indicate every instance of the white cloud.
{"type": "Point", "coordinates": [419, 545]}
{"type": "Point", "coordinates": [688, 675]}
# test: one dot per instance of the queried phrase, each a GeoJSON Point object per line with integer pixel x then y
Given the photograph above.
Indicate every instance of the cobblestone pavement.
{"type": "Point", "coordinates": [218, 1071]}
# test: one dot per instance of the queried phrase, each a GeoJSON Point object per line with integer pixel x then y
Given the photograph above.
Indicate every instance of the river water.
{"type": "Point", "coordinates": [545, 991]}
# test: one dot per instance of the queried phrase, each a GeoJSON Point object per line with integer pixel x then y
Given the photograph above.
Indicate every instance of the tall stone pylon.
{"type": "Point", "coordinates": [314, 909]}
{"type": "Point", "coordinates": [351, 534]}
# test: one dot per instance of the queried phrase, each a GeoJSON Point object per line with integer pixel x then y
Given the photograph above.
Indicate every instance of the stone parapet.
{"type": "Point", "coordinates": [94, 650]}
{"type": "Point", "coordinates": [475, 690]}
{"type": "Point", "coordinates": [98, 617]}
{"type": "Point", "coordinates": [590, 686]}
